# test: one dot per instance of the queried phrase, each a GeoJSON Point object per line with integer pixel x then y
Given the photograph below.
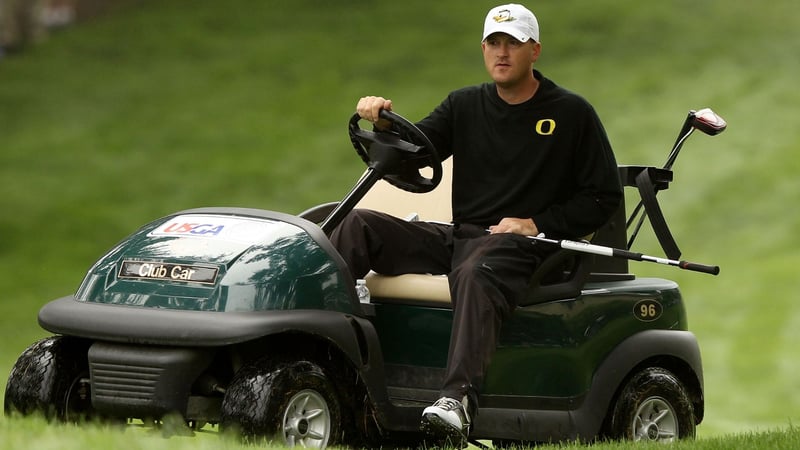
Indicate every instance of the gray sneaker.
{"type": "Point", "coordinates": [446, 419]}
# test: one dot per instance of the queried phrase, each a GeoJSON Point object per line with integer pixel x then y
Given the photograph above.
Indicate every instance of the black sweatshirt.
{"type": "Point", "coordinates": [548, 159]}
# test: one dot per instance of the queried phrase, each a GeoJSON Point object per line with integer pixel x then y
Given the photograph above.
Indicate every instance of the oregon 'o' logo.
{"type": "Point", "coordinates": [545, 127]}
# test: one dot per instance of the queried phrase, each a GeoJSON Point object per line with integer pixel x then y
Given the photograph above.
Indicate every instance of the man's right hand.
{"type": "Point", "coordinates": [369, 108]}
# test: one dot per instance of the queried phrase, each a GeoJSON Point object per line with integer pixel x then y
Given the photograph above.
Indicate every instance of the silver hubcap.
{"type": "Point", "coordinates": [655, 420]}
{"type": "Point", "coordinates": [307, 420]}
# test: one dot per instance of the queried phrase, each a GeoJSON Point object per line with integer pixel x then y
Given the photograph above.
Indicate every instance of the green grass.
{"type": "Point", "coordinates": [177, 104]}
{"type": "Point", "coordinates": [36, 433]}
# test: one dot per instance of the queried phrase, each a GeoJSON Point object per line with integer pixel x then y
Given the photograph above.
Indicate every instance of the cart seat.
{"type": "Point", "coordinates": [562, 275]}
{"type": "Point", "coordinates": [433, 206]}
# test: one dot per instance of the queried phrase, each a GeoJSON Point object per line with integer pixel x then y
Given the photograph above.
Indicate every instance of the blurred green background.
{"type": "Point", "coordinates": [174, 104]}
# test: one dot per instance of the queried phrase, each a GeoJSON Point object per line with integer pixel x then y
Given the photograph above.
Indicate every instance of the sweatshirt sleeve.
{"type": "Point", "coordinates": [438, 127]}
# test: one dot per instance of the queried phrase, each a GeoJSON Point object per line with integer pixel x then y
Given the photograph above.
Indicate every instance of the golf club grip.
{"type": "Point", "coordinates": [713, 270]}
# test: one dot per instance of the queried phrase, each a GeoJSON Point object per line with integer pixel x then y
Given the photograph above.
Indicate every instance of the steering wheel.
{"type": "Point", "coordinates": [397, 154]}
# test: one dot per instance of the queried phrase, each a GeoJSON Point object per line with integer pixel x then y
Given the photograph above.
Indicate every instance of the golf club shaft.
{"type": "Point", "coordinates": [686, 131]}
{"type": "Point", "coordinates": [585, 247]}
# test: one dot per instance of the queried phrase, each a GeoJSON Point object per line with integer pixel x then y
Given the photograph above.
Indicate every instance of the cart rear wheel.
{"type": "Point", "coordinates": [653, 406]}
{"type": "Point", "coordinates": [293, 403]}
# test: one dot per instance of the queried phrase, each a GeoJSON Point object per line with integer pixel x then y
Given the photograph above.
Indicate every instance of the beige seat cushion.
{"type": "Point", "coordinates": [411, 286]}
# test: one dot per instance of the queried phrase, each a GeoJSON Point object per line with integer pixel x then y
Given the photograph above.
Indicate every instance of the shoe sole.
{"type": "Point", "coordinates": [435, 427]}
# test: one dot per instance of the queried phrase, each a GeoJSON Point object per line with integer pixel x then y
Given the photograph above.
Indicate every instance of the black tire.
{"type": "Point", "coordinates": [654, 405]}
{"type": "Point", "coordinates": [291, 402]}
{"type": "Point", "coordinates": [51, 378]}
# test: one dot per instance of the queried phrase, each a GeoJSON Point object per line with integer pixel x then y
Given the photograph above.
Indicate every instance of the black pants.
{"type": "Point", "coordinates": [488, 274]}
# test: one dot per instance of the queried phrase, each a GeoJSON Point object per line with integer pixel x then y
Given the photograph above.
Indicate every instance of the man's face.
{"type": "Point", "coordinates": [508, 60]}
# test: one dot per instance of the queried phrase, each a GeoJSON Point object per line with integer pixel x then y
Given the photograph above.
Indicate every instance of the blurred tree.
{"type": "Point", "coordinates": [20, 24]}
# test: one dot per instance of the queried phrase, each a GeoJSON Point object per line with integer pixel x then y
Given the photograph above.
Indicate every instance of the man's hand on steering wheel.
{"type": "Point", "coordinates": [369, 108]}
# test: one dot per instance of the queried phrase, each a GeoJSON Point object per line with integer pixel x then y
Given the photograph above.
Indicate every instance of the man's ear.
{"type": "Point", "coordinates": [537, 50]}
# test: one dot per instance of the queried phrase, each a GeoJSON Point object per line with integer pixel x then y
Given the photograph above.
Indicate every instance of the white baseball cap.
{"type": "Point", "coordinates": [513, 19]}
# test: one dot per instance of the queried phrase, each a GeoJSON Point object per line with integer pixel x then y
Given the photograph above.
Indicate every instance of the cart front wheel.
{"type": "Point", "coordinates": [292, 402]}
{"type": "Point", "coordinates": [51, 378]}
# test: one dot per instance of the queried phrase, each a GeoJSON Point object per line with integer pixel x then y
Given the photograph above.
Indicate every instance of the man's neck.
{"type": "Point", "coordinates": [517, 93]}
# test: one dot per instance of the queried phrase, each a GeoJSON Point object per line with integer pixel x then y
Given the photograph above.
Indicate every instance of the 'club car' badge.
{"type": "Point", "coordinates": [146, 270]}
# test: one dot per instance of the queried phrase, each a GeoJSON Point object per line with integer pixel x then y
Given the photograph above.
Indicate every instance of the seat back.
{"type": "Point", "coordinates": [433, 206]}
{"type": "Point", "coordinates": [561, 275]}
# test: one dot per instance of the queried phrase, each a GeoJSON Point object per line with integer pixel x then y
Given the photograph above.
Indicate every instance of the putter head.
{"type": "Point", "coordinates": [708, 122]}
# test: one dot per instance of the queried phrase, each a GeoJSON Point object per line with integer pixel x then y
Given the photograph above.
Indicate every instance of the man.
{"type": "Point", "coordinates": [529, 157]}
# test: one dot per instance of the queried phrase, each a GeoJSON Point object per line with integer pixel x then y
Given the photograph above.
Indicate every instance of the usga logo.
{"type": "Point", "coordinates": [202, 229]}
{"type": "Point", "coordinates": [244, 230]}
